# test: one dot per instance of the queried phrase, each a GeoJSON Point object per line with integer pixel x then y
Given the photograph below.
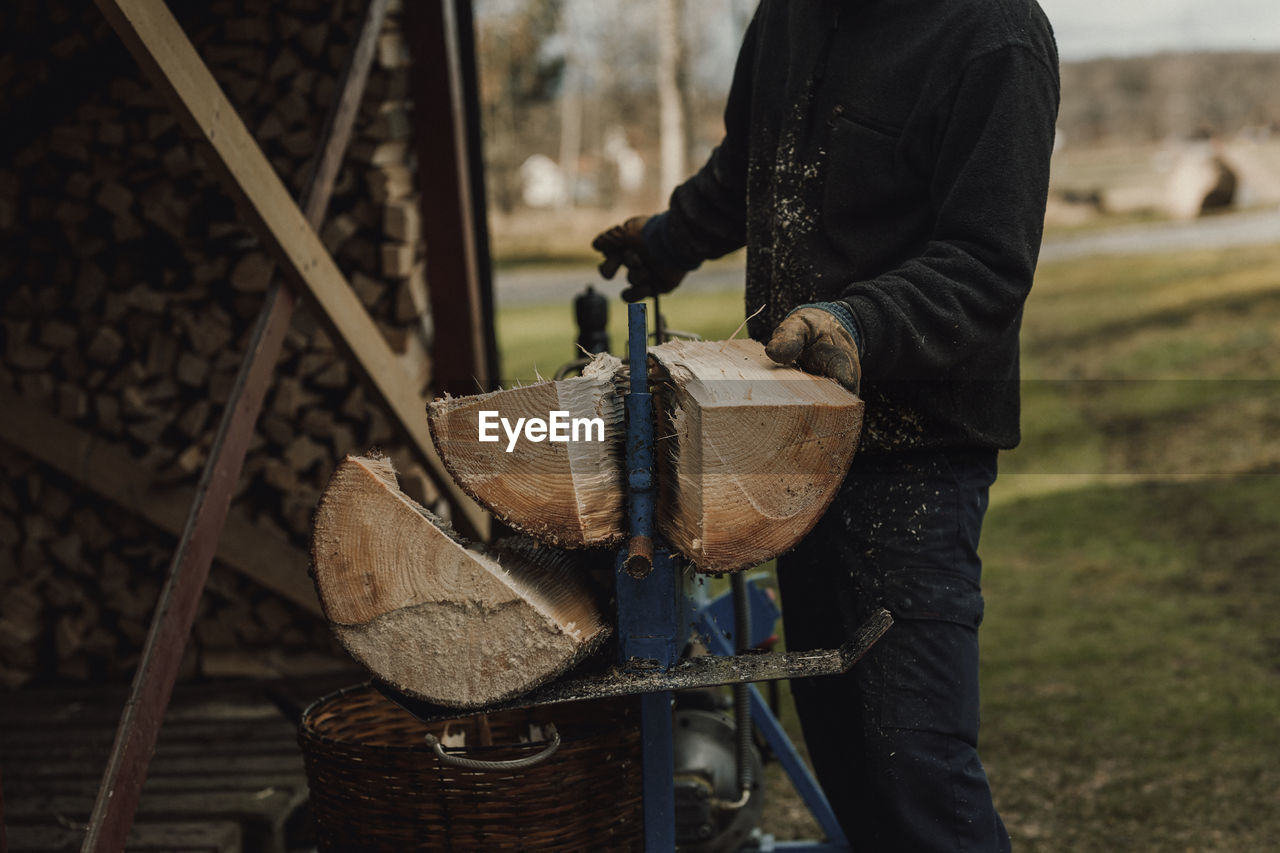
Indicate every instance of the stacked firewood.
{"type": "Point", "coordinates": [131, 290]}
{"type": "Point", "coordinates": [86, 578]}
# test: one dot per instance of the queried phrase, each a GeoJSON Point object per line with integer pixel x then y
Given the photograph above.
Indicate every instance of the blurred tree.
{"type": "Point", "coordinates": [672, 106]}
{"type": "Point", "coordinates": [599, 87]}
{"type": "Point", "coordinates": [522, 66]}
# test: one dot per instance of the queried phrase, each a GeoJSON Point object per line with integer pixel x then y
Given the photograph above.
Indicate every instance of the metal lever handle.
{"type": "Point", "coordinates": [507, 764]}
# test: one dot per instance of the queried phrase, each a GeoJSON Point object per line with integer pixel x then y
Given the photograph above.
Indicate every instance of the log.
{"type": "Point", "coordinates": [430, 615]}
{"type": "Point", "coordinates": [390, 183]}
{"type": "Point", "coordinates": [397, 259]}
{"type": "Point", "coordinates": [252, 273]}
{"type": "Point", "coordinates": [570, 494]}
{"type": "Point", "coordinates": [338, 230]}
{"type": "Point", "coordinates": [392, 51]}
{"type": "Point", "coordinates": [369, 289]}
{"type": "Point", "coordinates": [749, 454]}
{"type": "Point", "coordinates": [402, 221]}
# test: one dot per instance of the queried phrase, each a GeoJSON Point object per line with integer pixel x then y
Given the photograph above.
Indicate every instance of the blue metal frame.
{"type": "Point", "coordinates": [649, 602]}
{"type": "Point", "coordinates": [764, 614]}
{"type": "Point", "coordinates": [656, 612]}
{"type": "Point", "coordinates": [708, 625]}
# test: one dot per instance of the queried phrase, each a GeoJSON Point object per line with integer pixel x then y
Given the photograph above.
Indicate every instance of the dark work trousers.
{"type": "Point", "coordinates": [894, 740]}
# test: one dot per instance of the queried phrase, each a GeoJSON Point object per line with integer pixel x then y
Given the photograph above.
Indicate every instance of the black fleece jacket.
{"type": "Point", "coordinates": [893, 154]}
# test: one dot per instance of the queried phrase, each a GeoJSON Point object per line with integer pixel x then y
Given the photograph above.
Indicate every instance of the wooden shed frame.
{"type": "Point", "coordinates": [446, 135]}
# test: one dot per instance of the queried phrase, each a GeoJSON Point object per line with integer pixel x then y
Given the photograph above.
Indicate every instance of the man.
{"type": "Point", "coordinates": [886, 164]}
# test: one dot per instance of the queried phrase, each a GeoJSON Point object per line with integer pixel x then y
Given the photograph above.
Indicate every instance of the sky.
{"type": "Point", "coordinates": [1091, 28]}
{"type": "Point", "coordinates": [1085, 29]}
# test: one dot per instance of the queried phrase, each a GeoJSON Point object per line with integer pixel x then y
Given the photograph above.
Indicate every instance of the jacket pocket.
{"type": "Point", "coordinates": [931, 662]}
{"type": "Point", "coordinates": [865, 174]}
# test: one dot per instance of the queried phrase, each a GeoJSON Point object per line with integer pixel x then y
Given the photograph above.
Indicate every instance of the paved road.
{"type": "Point", "coordinates": [529, 286]}
{"type": "Point", "coordinates": [1214, 232]}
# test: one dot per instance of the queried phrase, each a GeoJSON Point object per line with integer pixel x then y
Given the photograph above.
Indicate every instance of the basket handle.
{"type": "Point", "coordinates": [509, 764]}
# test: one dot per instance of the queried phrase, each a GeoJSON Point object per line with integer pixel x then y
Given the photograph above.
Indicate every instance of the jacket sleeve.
{"type": "Point", "coordinates": [964, 291]}
{"type": "Point", "coordinates": [707, 214]}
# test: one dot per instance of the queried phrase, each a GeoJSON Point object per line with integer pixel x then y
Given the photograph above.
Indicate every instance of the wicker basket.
{"type": "Point", "coordinates": [377, 784]}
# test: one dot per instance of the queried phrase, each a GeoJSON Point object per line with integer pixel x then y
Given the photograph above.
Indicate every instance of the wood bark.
{"type": "Point", "coordinates": [567, 494]}
{"type": "Point", "coordinates": [430, 615]}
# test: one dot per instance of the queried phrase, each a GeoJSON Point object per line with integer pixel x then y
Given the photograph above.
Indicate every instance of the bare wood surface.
{"type": "Point", "coordinates": [749, 454]}
{"type": "Point", "coordinates": [429, 615]}
{"type": "Point", "coordinates": [567, 494]}
{"type": "Point", "coordinates": [114, 474]}
{"type": "Point", "coordinates": [159, 45]}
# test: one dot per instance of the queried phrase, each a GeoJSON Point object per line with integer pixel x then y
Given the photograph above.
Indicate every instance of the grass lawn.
{"type": "Point", "coordinates": [1131, 689]}
{"type": "Point", "coordinates": [1131, 651]}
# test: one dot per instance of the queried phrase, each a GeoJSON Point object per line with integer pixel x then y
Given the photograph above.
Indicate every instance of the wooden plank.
{"type": "Point", "coordinates": [16, 733]}
{"type": "Point", "coordinates": [227, 748]}
{"type": "Point", "coordinates": [114, 474]}
{"type": "Point", "coordinates": [192, 703]}
{"type": "Point", "coordinates": [69, 707]}
{"type": "Point", "coordinates": [183, 766]}
{"type": "Point", "coordinates": [253, 782]}
{"type": "Point", "coordinates": [170, 837]}
{"type": "Point", "coordinates": [59, 743]}
{"type": "Point", "coordinates": [270, 806]}
{"type": "Point", "coordinates": [451, 194]}
{"type": "Point", "coordinates": [261, 815]}
{"type": "Point", "coordinates": [160, 46]}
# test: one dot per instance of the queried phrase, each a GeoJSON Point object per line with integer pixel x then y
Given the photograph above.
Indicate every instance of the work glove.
{"type": "Point", "coordinates": [821, 338]}
{"type": "Point", "coordinates": [624, 245]}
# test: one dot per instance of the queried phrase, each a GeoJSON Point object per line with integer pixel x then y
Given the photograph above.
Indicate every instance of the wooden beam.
{"type": "Point", "coordinates": [112, 473]}
{"type": "Point", "coordinates": [451, 194]}
{"type": "Point", "coordinates": [160, 46]}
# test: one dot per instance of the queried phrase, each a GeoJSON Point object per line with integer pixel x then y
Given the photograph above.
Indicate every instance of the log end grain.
{"type": "Point", "coordinates": [431, 616]}
{"type": "Point", "coordinates": [569, 494]}
{"type": "Point", "coordinates": [750, 454]}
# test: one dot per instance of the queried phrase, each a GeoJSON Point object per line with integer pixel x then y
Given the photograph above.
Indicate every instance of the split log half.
{"type": "Point", "coordinates": [432, 617]}
{"type": "Point", "coordinates": [749, 454]}
{"type": "Point", "coordinates": [570, 494]}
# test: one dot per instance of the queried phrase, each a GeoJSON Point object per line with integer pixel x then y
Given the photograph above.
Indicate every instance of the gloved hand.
{"type": "Point", "coordinates": [624, 245]}
{"type": "Point", "coordinates": [821, 338]}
